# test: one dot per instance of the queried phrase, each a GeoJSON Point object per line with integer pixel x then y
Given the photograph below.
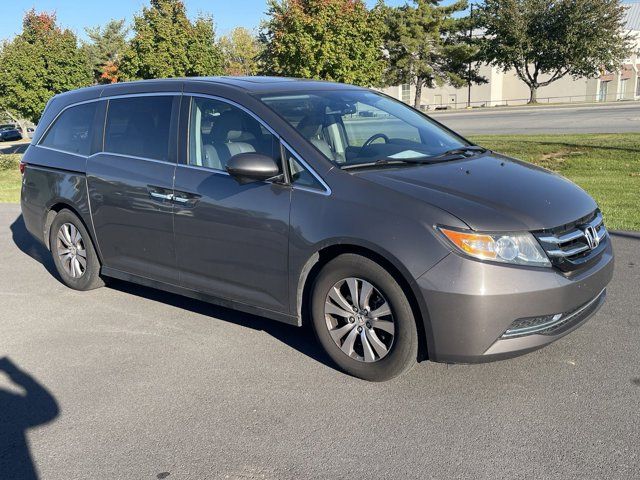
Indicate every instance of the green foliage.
{"type": "Point", "coordinates": [167, 44]}
{"type": "Point", "coordinates": [339, 40]}
{"type": "Point", "coordinates": [203, 53]}
{"type": "Point", "coordinates": [9, 162]}
{"type": "Point", "coordinates": [545, 40]}
{"type": "Point", "coordinates": [240, 50]}
{"type": "Point", "coordinates": [105, 49]}
{"type": "Point", "coordinates": [40, 62]}
{"type": "Point", "coordinates": [428, 46]}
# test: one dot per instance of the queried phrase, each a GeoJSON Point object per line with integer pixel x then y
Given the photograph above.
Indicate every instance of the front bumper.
{"type": "Point", "coordinates": [472, 305]}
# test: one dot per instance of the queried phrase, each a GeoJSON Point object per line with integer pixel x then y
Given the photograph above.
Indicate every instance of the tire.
{"type": "Point", "coordinates": [349, 351]}
{"type": "Point", "coordinates": [88, 275]}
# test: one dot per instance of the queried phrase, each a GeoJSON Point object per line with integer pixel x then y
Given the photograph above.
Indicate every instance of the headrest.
{"type": "Point", "coordinates": [229, 127]}
{"type": "Point", "coordinates": [311, 125]}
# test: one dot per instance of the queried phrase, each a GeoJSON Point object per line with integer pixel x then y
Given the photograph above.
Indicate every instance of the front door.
{"type": "Point", "coordinates": [231, 239]}
{"type": "Point", "coordinates": [131, 186]}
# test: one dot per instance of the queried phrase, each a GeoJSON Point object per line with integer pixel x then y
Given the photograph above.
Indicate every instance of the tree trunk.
{"type": "Point", "coordinates": [533, 95]}
{"type": "Point", "coordinates": [418, 98]}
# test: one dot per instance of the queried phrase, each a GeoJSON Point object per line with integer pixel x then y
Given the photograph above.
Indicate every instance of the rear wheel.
{"type": "Point", "coordinates": [73, 252]}
{"type": "Point", "coordinates": [363, 319]}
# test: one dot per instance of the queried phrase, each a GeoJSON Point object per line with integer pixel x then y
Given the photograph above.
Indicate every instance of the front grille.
{"type": "Point", "coordinates": [554, 324]}
{"type": "Point", "coordinates": [570, 247]}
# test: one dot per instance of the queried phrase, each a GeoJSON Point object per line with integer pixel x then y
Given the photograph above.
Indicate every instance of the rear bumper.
{"type": "Point", "coordinates": [473, 305]}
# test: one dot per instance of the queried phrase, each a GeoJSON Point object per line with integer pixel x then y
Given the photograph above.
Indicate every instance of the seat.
{"type": "Point", "coordinates": [228, 138]}
{"type": "Point", "coordinates": [312, 128]}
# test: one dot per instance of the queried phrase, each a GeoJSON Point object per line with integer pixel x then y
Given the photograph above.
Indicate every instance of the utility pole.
{"type": "Point", "coordinates": [470, 67]}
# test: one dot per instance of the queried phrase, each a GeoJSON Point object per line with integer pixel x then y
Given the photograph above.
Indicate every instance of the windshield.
{"type": "Point", "coordinates": [352, 127]}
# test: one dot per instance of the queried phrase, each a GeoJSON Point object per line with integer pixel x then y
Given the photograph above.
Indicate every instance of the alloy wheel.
{"type": "Point", "coordinates": [71, 250]}
{"type": "Point", "coordinates": [359, 320]}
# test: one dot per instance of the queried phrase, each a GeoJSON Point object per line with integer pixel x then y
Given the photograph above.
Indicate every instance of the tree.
{"type": "Point", "coordinates": [105, 49]}
{"type": "Point", "coordinates": [167, 44]}
{"type": "Point", "coordinates": [546, 40]}
{"type": "Point", "coordinates": [339, 40]}
{"type": "Point", "coordinates": [38, 63]}
{"type": "Point", "coordinates": [240, 51]}
{"type": "Point", "coordinates": [428, 46]}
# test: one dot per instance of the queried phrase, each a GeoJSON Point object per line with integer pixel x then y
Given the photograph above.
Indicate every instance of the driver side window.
{"type": "Point", "coordinates": [218, 131]}
{"type": "Point", "coordinates": [367, 121]}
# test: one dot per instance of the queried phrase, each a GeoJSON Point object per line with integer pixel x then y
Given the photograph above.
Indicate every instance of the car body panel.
{"type": "Point", "coordinates": [232, 240]}
{"type": "Point", "coordinates": [134, 230]}
{"type": "Point", "coordinates": [472, 303]}
{"type": "Point", "coordinates": [45, 188]}
{"type": "Point", "coordinates": [492, 192]}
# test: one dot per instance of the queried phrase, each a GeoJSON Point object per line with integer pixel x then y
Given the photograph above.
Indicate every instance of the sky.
{"type": "Point", "coordinates": [78, 14]}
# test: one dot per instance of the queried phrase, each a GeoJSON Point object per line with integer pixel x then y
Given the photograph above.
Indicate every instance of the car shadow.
{"type": "Point", "coordinates": [27, 244]}
{"type": "Point", "coordinates": [33, 407]}
{"type": "Point", "coordinates": [301, 339]}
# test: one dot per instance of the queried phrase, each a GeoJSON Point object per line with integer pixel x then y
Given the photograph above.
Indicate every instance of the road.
{"type": "Point", "coordinates": [618, 118]}
{"type": "Point", "coordinates": [143, 384]}
{"type": "Point", "coordinates": [14, 147]}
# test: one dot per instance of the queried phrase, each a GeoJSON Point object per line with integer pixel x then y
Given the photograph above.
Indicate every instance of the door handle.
{"type": "Point", "coordinates": [185, 198]}
{"type": "Point", "coordinates": [161, 196]}
{"type": "Point", "coordinates": [159, 193]}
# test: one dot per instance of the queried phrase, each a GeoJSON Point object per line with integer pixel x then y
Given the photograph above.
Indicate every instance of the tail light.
{"type": "Point", "coordinates": [22, 167]}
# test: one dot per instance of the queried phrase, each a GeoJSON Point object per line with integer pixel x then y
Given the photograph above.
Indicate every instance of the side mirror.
{"type": "Point", "coordinates": [252, 167]}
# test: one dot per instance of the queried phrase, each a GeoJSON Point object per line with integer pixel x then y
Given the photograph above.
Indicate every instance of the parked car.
{"type": "Point", "coordinates": [396, 238]}
{"type": "Point", "coordinates": [10, 134]}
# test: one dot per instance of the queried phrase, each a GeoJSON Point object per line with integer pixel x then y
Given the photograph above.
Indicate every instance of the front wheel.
{"type": "Point", "coordinates": [363, 319]}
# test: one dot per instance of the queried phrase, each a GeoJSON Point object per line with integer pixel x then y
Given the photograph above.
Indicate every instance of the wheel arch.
{"type": "Point", "coordinates": [51, 213]}
{"type": "Point", "coordinates": [328, 252]}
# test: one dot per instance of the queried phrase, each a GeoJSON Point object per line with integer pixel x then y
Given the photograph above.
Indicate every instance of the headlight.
{"type": "Point", "coordinates": [515, 248]}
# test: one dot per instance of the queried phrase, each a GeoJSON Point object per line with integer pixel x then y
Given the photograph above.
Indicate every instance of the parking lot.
{"type": "Point", "coordinates": [126, 382]}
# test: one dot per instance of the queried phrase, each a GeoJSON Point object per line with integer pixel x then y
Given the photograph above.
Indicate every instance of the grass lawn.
{"type": "Point", "coordinates": [9, 178]}
{"type": "Point", "coordinates": [605, 165]}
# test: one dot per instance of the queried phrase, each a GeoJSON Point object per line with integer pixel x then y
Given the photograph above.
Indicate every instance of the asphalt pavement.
{"type": "Point", "coordinates": [125, 382]}
{"type": "Point", "coordinates": [608, 118]}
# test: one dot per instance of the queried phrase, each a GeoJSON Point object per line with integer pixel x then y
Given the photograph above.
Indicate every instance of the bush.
{"type": "Point", "coordinates": [9, 162]}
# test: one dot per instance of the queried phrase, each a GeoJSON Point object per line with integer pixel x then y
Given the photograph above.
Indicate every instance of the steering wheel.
{"type": "Point", "coordinates": [373, 138]}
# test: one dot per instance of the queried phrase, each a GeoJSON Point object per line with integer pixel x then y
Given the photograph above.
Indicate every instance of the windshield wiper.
{"type": "Point", "coordinates": [385, 161]}
{"type": "Point", "coordinates": [453, 154]}
{"type": "Point", "coordinates": [474, 149]}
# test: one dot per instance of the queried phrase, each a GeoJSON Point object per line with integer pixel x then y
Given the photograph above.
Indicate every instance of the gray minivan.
{"type": "Point", "coordinates": [299, 200]}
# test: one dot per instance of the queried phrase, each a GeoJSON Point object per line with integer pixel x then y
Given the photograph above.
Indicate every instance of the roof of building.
{"type": "Point", "coordinates": [632, 18]}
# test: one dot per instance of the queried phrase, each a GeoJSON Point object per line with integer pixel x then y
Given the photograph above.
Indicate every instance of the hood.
{"type": "Point", "coordinates": [491, 192]}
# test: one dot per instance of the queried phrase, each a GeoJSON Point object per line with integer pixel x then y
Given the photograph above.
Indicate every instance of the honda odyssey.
{"type": "Point", "coordinates": [307, 201]}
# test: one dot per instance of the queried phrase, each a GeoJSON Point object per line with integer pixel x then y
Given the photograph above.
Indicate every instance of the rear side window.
{"type": "Point", "coordinates": [139, 127]}
{"type": "Point", "coordinates": [72, 130]}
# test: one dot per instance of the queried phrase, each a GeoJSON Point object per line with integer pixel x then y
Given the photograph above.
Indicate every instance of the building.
{"type": "Point", "coordinates": [505, 88]}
